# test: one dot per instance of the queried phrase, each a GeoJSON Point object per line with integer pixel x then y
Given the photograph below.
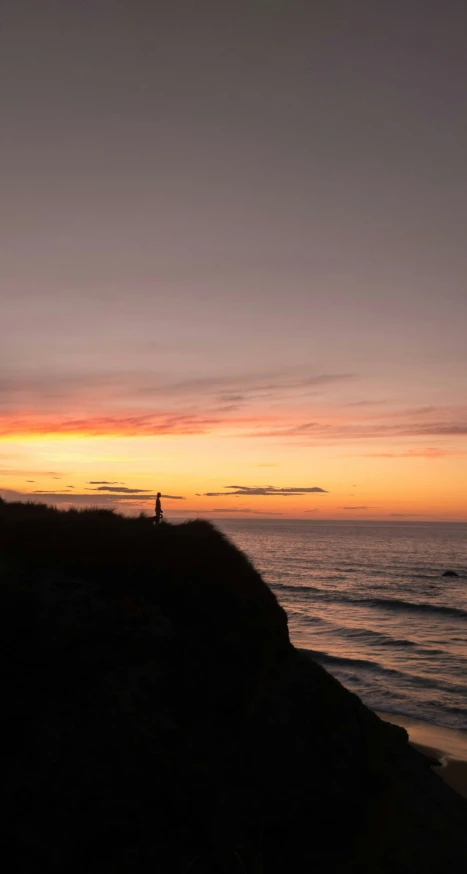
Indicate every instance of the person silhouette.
{"type": "Point", "coordinates": [159, 513]}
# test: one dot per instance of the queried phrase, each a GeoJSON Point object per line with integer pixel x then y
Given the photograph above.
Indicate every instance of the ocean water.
{"type": "Point", "coordinates": [369, 601]}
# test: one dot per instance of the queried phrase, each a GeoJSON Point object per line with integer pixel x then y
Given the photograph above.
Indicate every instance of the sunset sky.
{"type": "Point", "coordinates": [233, 259]}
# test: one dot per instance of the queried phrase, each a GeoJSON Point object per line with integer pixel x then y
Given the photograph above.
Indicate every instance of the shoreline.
{"type": "Point", "coordinates": [447, 745]}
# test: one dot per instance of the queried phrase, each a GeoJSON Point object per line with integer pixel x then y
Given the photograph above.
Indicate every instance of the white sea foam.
{"type": "Point", "coordinates": [370, 601]}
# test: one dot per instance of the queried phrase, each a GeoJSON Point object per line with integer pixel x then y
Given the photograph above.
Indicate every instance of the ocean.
{"type": "Point", "coordinates": [369, 601]}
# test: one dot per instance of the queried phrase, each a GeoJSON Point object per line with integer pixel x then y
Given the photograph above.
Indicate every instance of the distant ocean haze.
{"type": "Point", "coordinates": [369, 601]}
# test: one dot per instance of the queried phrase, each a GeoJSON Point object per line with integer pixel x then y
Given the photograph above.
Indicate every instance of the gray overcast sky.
{"type": "Point", "coordinates": [191, 178]}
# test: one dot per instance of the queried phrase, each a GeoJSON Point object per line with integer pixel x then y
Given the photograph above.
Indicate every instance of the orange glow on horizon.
{"type": "Point", "coordinates": [369, 465]}
{"type": "Point", "coordinates": [198, 469]}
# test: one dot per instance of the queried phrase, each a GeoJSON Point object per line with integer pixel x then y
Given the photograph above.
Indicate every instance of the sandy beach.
{"type": "Point", "coordinates": [446, 745]}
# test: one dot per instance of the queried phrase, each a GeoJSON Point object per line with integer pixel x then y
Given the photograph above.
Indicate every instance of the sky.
{"type": "Point", "coordinates": [233, 257]}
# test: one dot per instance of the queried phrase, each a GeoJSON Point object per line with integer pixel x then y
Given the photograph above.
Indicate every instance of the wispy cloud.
{"type": "Point", "coordinates": [49, 390]}
{"type": "Point", "coordinates": [246, 510]}
{"type": "Point", "coordinates": [145, 403]}
{"type": "Point", "coordinates": [242, 387]}
{"type": "Point", "coordinates": [430, 452]}
{"type": "Point", "coordinates": [312, 432]}
{"type": "Point", "coordinates": [245, 491]}
{"type": "Point", "coordinates": [362, 507]}
{"type": "Point", "coordinates": [96, 426]}
{"type": "Point", "coordinates": [293, 406]}
{"type": "Point", "coordinates": [120, 490]}
{"type": "Point", "coordinates": [45, 491]}
{"type": "Point", "coordinates": [21, 471]}
{"type": "Point", "coordinates": [365, 403]}
{"type": "Point", "coordinates": [104, 482]}
{"type": "Point", "coordinates": [125, 490]}
{"type": "Point", "coordinates": [74, 498]}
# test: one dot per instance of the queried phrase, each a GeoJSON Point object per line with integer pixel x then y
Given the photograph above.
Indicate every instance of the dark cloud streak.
{"type": "Point", "coordinates": [246, 510]}
{"type": "Point", "coordinates": [359, 508]}
{"type": "Point", "coordinates": [121, 490]}
{"type": "Point", "coordinates": [245, 491]}
{"type": "Point", "coordinates": [104, 482]}
{"type": "Point", "coordinates": [124, 490]}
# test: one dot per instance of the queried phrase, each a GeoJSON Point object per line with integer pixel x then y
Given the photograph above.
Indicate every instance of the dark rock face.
{"type": "Point", "coordinates": [449, 574]}
{"type": "Point", "coordinates": [158, 719]}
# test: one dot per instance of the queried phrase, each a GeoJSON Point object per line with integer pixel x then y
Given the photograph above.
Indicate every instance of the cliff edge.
{"type": "Point", "coordinates": [158, 718]}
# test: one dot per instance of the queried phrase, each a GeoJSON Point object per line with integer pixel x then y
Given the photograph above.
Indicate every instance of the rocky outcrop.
{"type": "Point", "coordinates": [449, 574]}
{"type": "Point", "coordinates": [158, 719]}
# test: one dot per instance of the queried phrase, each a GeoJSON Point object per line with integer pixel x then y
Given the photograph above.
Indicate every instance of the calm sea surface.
{"type": "Point", "coordinates": [371, 604]}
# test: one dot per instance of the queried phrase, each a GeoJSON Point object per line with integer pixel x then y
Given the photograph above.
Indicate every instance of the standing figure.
{"type": "Point", "coordinates": [159, 513]}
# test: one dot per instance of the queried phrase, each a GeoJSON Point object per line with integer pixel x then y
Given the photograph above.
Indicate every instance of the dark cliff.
{"type": "Point", "coordinates": [158, 719]}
